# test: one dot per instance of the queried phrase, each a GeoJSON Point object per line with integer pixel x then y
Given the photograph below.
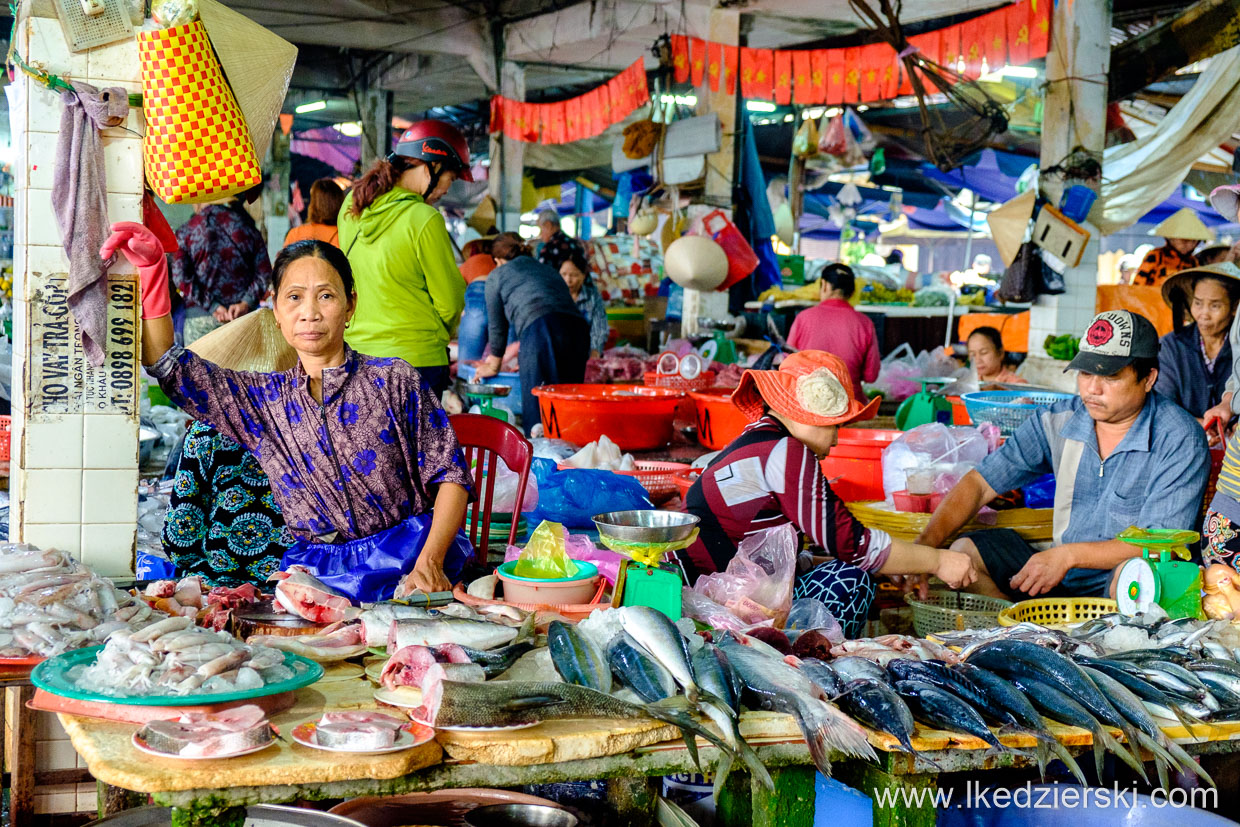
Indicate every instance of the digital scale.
{"type": "Point", "coordinates": [1164, 574]}
{"type": "Point", "coordinates": [484, 396]}
{"type": "Point", "coordinates": [644, 538]}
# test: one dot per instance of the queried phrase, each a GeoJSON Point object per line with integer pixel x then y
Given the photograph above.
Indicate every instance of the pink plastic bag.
{"type": "Point", "coordinates": [700, 607]}
{"type": "Point", "coordinates": [757, 584]}
{"type": "Point", "coordinates": [578, 547]}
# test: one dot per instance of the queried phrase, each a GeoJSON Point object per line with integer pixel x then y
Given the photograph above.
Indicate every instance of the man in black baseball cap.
{"type": "Point", "coordinates": [1121, 454]}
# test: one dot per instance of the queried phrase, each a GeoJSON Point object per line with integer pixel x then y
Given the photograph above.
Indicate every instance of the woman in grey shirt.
{"type": "Point", "coordinates": [530, 298]}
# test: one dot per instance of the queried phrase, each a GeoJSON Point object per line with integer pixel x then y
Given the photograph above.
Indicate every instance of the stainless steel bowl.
{"type": "Point", "coordinates": [519, 815]}
{"type": "Point", "coordinates": [256, 815]}
{"type": "Point", "coordinates": [480, 389]}
{"type": "Point", "coordinates": [646, 526]}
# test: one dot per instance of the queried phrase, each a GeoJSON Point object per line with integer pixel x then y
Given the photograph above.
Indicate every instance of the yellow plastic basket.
{"type": "Point", "coordinates": [947, 611]}
{"type": "Point", "coordinates": [1056, 611]}
{"type": "Point", "coordinates": [1033, 524]}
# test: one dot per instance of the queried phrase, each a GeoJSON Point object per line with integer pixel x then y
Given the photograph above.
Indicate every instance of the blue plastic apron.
{"type": "Point", "coordinates": [368, 569]}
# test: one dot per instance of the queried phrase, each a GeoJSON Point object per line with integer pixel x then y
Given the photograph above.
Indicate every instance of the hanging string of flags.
{"type": "Point", "coordinates": [1013, 35]}
{"type": "Point", "coordinates": [585, 116]}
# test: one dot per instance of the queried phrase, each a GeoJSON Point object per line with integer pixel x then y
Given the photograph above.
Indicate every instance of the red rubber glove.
{"type": "Point", "coordinates": [143, 250]}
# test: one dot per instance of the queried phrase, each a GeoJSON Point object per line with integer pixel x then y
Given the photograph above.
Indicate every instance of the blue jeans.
{"type": "Point", "coordinates": [471, 336]}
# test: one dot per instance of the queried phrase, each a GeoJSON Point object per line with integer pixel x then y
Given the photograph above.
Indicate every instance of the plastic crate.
{"type": "Point", "coordinates": [1009, 409]}
{"type": "Point", "coordinates": [676, 382]}
{"type": "Point", "coordinates": [1057, 611]}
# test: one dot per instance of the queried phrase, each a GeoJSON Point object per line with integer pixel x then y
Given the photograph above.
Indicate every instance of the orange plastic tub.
{"type": "Point", "coordinates": [718, 420]}
{"type": "Point", "coordinates": [855, 465]}
{"type": "Point", "coordinates": [634, 417]}
{"type": "Point", "coordinates": [960, 414]}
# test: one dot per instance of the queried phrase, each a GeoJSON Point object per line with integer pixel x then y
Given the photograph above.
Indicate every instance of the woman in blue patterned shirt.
{"type": "Point", "coordinates": [576, 274]}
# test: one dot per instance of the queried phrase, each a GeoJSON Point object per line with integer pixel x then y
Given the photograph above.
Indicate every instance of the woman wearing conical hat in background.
{"type": "Point", "coordinates": [1195, 359]}
{"type": "Point", "coordinates": [1183, 232]}
{"type": "Point", "coordinates": [770, 476]}
{"type": "Point", "coordinates": [223, 522]}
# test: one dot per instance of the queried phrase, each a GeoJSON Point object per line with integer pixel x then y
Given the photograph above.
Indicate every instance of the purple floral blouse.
{"type": "Point", "coordinates": [356, 465]}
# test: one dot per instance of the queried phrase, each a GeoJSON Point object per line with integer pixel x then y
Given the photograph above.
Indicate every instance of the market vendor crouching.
{"type": "Point", "coordinates": [358, 450]}
{"type": "Point", "coordinates": [1122, 456]}
{"type": "Point", "coordinates": [770, 476]}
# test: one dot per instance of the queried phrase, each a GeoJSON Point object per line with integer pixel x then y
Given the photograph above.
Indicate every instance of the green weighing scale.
{"type": "Point", "coordinates": [1163, 574]}
{"type": "Point", "coordinates": [644, 538]}
{"type": "Point", "coordinates": [719, 348]}
{"type": "Point", "coordinates": [926, 405]}
{"type": "Point", "coordinates": [484, 396]}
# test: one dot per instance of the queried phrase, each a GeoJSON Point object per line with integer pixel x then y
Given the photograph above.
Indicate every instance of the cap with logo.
{"type": "Point", "coordinates": [1115, 339]}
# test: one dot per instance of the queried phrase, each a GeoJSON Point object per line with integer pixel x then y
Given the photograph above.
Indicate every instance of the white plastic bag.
{"type": "Point", "coordinates": [949, 452]}
{"type": "Point", "coordinates": [506, 484]}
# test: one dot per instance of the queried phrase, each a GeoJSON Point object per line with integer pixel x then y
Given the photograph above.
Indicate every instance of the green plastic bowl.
{"type": "Point", "coordinates": [585, 571]}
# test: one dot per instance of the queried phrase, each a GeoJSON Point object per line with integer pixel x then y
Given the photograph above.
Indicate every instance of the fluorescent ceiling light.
{"type": "Point", "coordinates": [313, 106]}
{"type": "Point", "coordinates": [351, 129]}
{"type": "Point", "coordinates": [1020, 71]}
{"type": "Point", "coordinates": [760, 106]}
{"type": "Point", "coordinates": [682, 100]}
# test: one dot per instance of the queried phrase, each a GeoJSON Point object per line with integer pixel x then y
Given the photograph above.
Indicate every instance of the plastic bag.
{"type": "Point", "coordinates": [544, 556]}
{"type": "Point", "coordinates": [506, 484]}
{"type": "Point", "coordinates": [557, 450]}
{"type": "Point", "coordinates": [757, 584]}
{"type": "Point", "coordinates": [805, 142]}
{"type": "Point", "coordinates": [700, 607]}
{"type": "Point", "coordinates": [948, 452]}
{"type": "Point", "coordinates": [809, 614]}
{"type": "Point", "coordinates": [572, 498]}
{"type": "Point", "coordinates": [580, 548]}
{"type": "Point", "coordinates": [833, 141]}
{"type": "Point", "coordinates": [1041, 492]}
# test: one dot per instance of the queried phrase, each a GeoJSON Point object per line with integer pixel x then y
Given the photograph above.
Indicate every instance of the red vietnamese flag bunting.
{"type": "Point", "coordinates": [714, 65]}
{"type": "Point", "coordinates": [533, 122]}
{"type": "Point", "coordinates": [852, 74]}
{"type": "Point", "coordinates": [802, 88]}
{"type": "Point", "coordinates": [783, 76]}
{"type": "Point", "coordinates": [680, 58]}
{"type": "Point", "coordinates": [553, 123]}
{"type": "Point", "coordinates": [888, 74]}
{"type": "Point", "coordinates": [756, 67]}
{"type": "Point", "coordinates": [949, 47]}
{"type": "Point", "coordinates": [972, 35]}
{"type": "Point", "coordinates": [589, 114]}
{"type": "Point", "coordinates": [572, 120]}
{"type": "Point", "coordinates": [697, 60]}
{"type": "Point", "coordinates": [602, 110]}
{"type": "Point", "coordinates": [1017, 33]}
{"type": "Point", "coordinates": [870, 67]}
{"type": "Point", "coordinates": [1039, 27]}
{"type": "Point", "coordinates": [512, 118]}
{"type": "Point", "coordinates": [639, 92]}
{"type": "Point", "coordinates": [617, 93]}
{"type": "Point", "coordinates": [995, 40]}
{"type": "Point", "coordinates": [818, 75]}
{"type": "Point", "coordinates": [836, 72]}
{"type": "Point", "coordinates": [497, 114]}
{"type": "Point", "coordinates": [729, 69]}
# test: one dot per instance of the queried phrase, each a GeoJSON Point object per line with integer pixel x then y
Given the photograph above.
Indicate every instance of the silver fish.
{"type": "Point", "coordinates": [475, 634]}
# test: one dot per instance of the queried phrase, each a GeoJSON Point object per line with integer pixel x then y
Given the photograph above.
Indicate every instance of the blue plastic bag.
{"type": "Point", "coordinates": [573, 497]}
{"type": "Point", "coordinates": [1041, 492]}
{"type": "Point", "coordinates": [368, 570]}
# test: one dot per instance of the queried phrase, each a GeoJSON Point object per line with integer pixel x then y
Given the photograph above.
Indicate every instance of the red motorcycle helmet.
{"type": "Point", "coordinates": [436, 142]}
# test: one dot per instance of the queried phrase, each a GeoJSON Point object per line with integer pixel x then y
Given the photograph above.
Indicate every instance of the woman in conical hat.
{"type": "Point", "coordinates": [770, 476]}
{"type": "Point", "coordinates": [1183, 232]}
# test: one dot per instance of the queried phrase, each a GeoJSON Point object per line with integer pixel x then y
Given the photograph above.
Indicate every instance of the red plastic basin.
{"type": "Point", "coordinates": [855, 465]}
{"type": "Point", "coordinates": [718, 420]}
{"type": "Point", "coordinates": [636, 418]}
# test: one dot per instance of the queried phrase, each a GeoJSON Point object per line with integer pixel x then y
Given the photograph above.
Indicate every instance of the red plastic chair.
{"type": "Point", "coordinates": [483, 439]}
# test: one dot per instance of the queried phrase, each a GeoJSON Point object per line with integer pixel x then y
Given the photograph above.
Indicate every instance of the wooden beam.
{"type": "Point", "coordinates": [1200, 31]}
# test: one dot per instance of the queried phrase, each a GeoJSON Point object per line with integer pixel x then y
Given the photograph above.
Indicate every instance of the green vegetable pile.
{"type": "Point", "coordinates": [1063, 347]}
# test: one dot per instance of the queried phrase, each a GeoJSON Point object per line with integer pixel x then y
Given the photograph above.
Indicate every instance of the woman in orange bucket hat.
{"type": "Point", "coordinates": [770, 476]}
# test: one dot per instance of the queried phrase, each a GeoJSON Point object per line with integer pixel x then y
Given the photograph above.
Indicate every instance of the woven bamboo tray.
{"type": "Point", "coordinates": [1034, 524]}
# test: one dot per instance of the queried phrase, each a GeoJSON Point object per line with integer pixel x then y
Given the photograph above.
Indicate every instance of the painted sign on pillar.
{"type": "Point", "coordinates": [62, 381]}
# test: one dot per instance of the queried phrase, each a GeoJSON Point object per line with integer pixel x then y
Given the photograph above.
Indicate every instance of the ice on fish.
{"type": "Point", "coordinates": [1125, 639]}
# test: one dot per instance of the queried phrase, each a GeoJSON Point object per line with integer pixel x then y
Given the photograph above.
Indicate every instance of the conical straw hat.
{"type": "Point", "coordinates": [257, 63]}
{"type": "Point", "coordinates": [1008, 224]}
{"type": "Point", "coordinates": [1184, 223]}
{"type": "Point", "coordinates": [251, 343]}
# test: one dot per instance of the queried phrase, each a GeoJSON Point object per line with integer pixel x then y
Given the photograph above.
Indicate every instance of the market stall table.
{"type": "Point", "coordinates": [631, 755]}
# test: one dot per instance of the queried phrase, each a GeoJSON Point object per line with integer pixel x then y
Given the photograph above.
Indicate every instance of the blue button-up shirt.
{"type": "Point", "coordinates": [1155, 477]}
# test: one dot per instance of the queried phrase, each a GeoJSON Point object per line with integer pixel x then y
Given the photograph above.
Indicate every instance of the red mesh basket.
{"type": "Point", "coordinates": [684, 481]}
{"type": "Point", "coordinates": [676, 382]}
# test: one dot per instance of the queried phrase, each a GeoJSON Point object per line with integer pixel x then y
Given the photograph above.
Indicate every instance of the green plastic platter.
{"type": "Point", "coordinates": [53, 676]}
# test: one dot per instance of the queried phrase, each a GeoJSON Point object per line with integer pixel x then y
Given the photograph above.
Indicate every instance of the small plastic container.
{"type": "Point", "coordinates": [718, 420]}
{"type": "Point", "coordinates": [558, 592]}
{"type": "Point", "coordinates": [911, 503]}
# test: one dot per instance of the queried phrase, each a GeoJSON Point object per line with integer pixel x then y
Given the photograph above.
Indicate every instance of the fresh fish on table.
{"type": "Point", "coordinates": [943, 710]}
{"type": "Point", "coordinates": [714, 674]}
{"type": "Point", "coordinates": [852, 668]}
{"type": "Point", "coordinates": [476, 634]}
{"type": "Point", "coordinates": [824, 677]}
{"type": "Point", "coordinates": [409, 665]}
{"type": "Point", "coordinates": [331, 645]}
{"type": "Point", "coordinates": [497, 661]}
{"type": "Point", "coordinates": [576, 658]}
{"type": "Point", "coordinates": [357, 730]}
{"type": "Point", "coordinates": [881, 708]}
{"type": "Point", "coordinates": [633, 667]}
{"type": "Point", "coordinates": [377, 620]}
{"type": "Point", "coordinates": [202, 735]}
{"type": "Point", "coordinates": [300, 593]}
{"type": "Point", "coordinates": [656, 634]}
{"type": "Point", "coordinates": [937, 674]}
{"type": "Point", "coordinates": [779, 687]}
{"type": "Point", "coordinates": [458, 672]}
{"type": "Point", "coordinates": [886, 648]}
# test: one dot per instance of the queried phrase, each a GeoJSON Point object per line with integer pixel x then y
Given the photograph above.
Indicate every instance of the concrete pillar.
{"type": "Point", "coordinates": [508, 156]}
{"type": "Point", "coordinates": [1074, 115]}
{"type": "Point", "coordinates": [376, 107]}
{"type": "Point", "coordinates": [75, 427]}
{"type": "Point", "coordinates": [279, 167]}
